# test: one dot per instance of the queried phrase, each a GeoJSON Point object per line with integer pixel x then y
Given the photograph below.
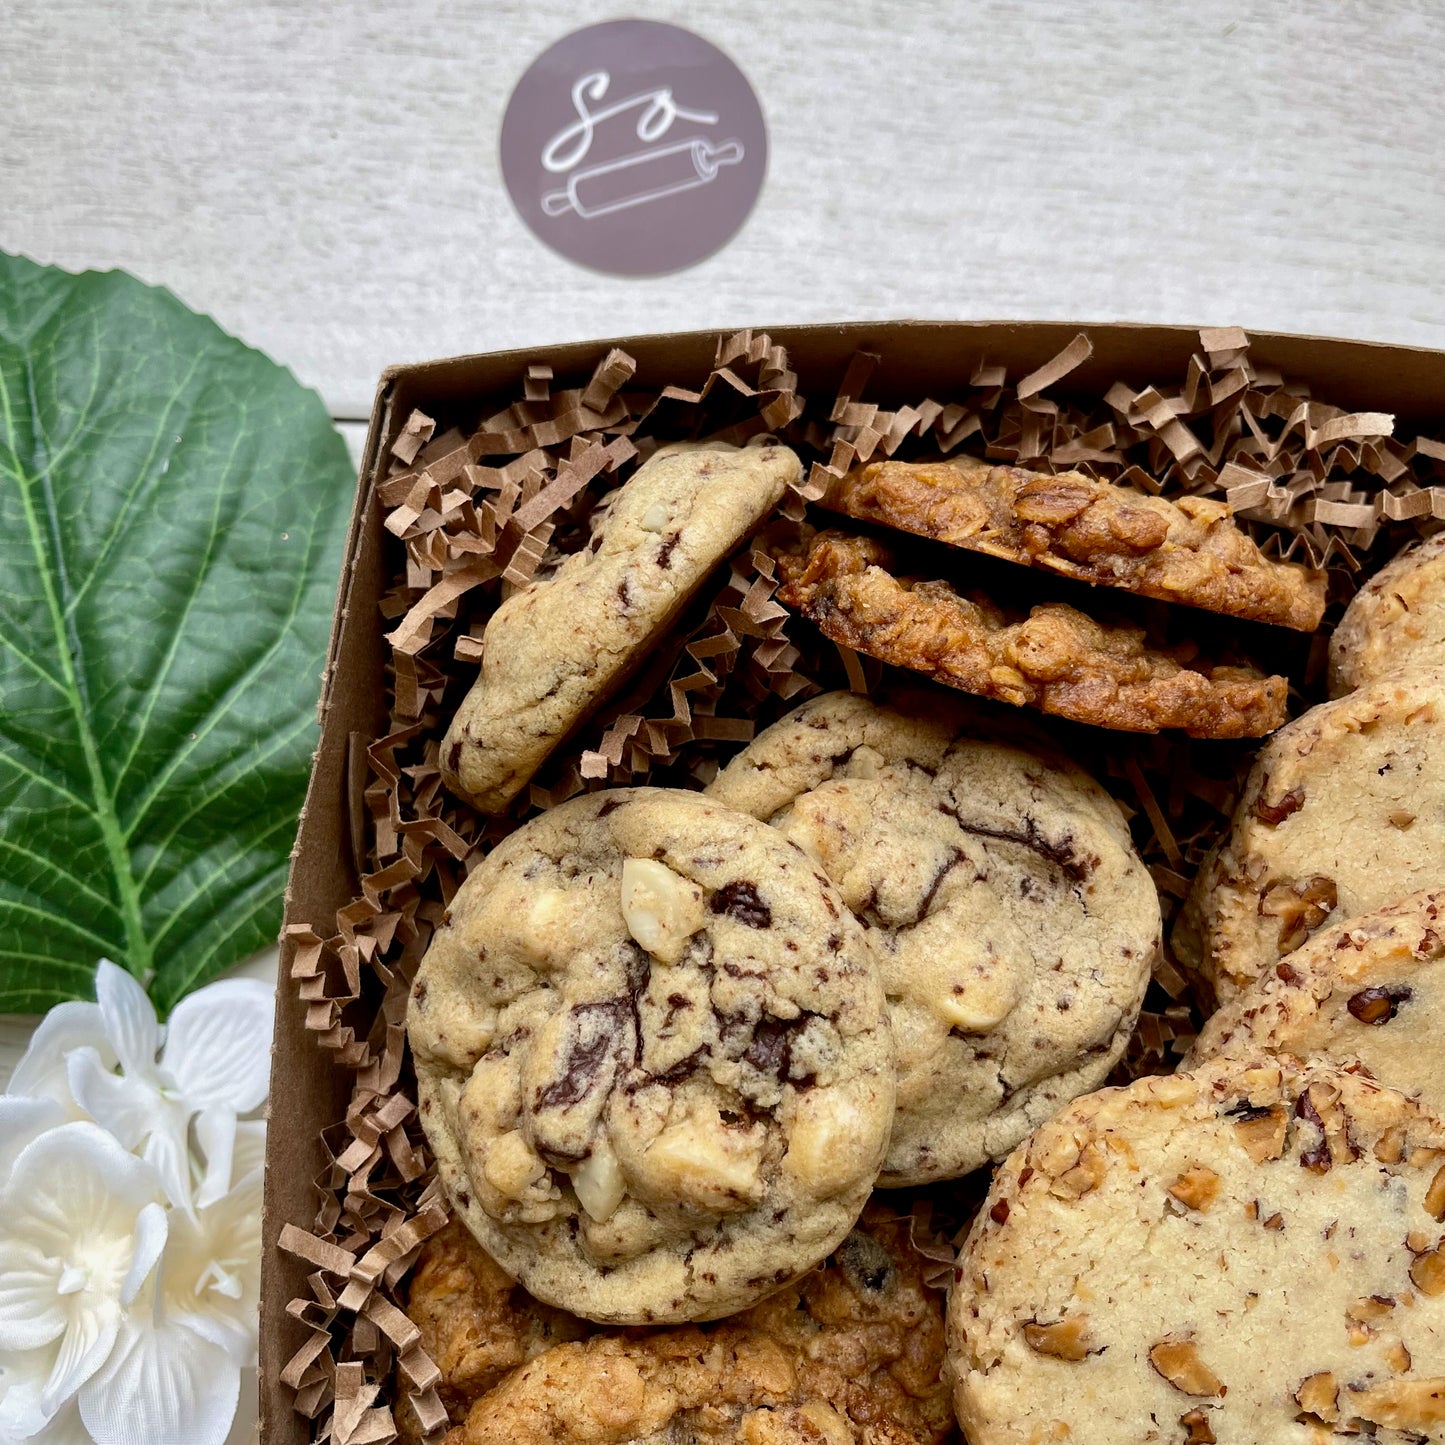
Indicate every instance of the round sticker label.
{"type": "Point", "coordinates": [634, 147]}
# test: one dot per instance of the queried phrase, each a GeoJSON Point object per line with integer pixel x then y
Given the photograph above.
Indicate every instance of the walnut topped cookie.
{"type": "Point", "coordinates": [1370, 989]}
{"type": "Point", "coordinates": [1396, 621]}
{"type": "Point", "coordinates": [653, 1058]}
{"type": "Point", "coordinates": [851, 1354]}
{"type": "Point", "coordinates": [1343, 812]}
{"type": "Point", "coordinates": [1014, 925]}
{"type": "Point", "coordinates": [1188, 550]}
{"type": "Point", "coordinates": [557, 649]}
{"type": "Point", "coordinates": [1251, 1252]}
{"type": "Point", "coordinates": [1054, 658]}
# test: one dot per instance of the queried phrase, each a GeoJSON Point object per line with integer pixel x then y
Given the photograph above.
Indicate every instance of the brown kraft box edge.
{"type": "Point", "coordinates": [309, 1090]}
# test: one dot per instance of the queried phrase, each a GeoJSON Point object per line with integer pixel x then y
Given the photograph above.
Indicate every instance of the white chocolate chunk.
{"type": "Point", "coordinates": [701, 1161]}
{"type": "Point", "coordinates": [979, 1001]}
{"type": "Point", "coordinates": [823, 1126]}
{"type": "Point", "coordinates": [598, 1182]}
{"type": "Point", "coordinates": [654, 519]}
{"type": "Point", "coordinates": [662, 909]}
{"type": "Point", "coordinates": [512, 1167]}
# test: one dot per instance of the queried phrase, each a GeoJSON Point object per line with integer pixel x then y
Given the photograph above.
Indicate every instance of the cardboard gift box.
{"type": "Point", "coordinates": [333, 1340]}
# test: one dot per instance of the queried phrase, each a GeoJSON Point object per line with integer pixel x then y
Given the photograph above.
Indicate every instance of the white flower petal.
{"type": "Point", "coordinates": [21, 1120]}
{"type": "Point", "coordinates": [216, 1134]}
{"type": "Point", "coordinates": [75, 1184]}
{"type": "Point", "coordinates": [30, 1310]}
{"type": "Point", "coordinates": [162, 1386]}
{"type": "Point", "coordinates": [65, 1429]}
{"type": "Point", "coordinates": [84, 1348]}
{"type": "Point", "coordinates": [130, 1019]}
{"type": "Point", "coordinates": [125, 1106]}
{"type": "Point", "coordinates": [250, 1149]}
{"type": "Point", "coordinates": [67, 1026]}
{"type": "Point", "coordinates": [151, 1229]}
{"type": "Point", "coordinates": [22, 1377]}
{"type": "Point", "coordinates": [218, 1044]}
{"type": "Point", "coordinates": [167, 1151]}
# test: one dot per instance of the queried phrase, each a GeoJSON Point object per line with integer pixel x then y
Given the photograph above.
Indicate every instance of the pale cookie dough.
{"type": "Point", "coordinates": [1251, 1254]}
{"type": "Point", "coordinates": [555, 650]}
{"type": "Point", "coordinates": [1396, 621]}
{"type": "Point", "coordinates": [653, 1058]}
{"type": "Point", "coordinates": [1371, 989]}
{"type": "Point", "coordinates": [1189, 550]}
{"type": "Point", "coordinates": [1344, 811]}
{"type": "Point", "coordinates": [851, 1354]}
{"type": "Point", "coordinates": [1014, 925]}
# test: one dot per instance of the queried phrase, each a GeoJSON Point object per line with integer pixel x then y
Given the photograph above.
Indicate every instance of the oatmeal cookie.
{"type": "Point", "coordinates": [850, 1355]}
{"type": "Point", "coordinates": [1188, 550]}
{"type": "Point", "coordinates": [1055, 658]}
{"type": "Point", "coordinates": [1343, 812]}
{"type": "Point", "coordinates": [1371, 989]}
{"type": "Point", "coordinates": [1396, 621]}
{"type": "Point", "coordinates": [1014, 925]}
{"type": "Point", "coordinates": [653, 1058]}
{"type": "Point", "coordinates": [476, 1321]}
{"type": "Point", "coordinates": [557, 649]}
{"type": "Point", "coordinates": [1249, 1253]}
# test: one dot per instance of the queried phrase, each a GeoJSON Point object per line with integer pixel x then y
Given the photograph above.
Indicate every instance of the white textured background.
{"type": "Point", "coordinates": [322, 177]}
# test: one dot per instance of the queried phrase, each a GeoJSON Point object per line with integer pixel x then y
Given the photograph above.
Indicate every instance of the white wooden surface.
{"type": "Point", "coordinates": [322, 177]}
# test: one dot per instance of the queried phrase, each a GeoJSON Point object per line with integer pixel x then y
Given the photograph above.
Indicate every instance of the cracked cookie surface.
{"type": "Point", "coordinates": [1342, 813]}
{"type": "Point", "coordinates": [557, 649]}
{"type": "Point", "coordinates": [1395, 622]}
{"type": "Point", "coordinates": [851, 1354]}
{"type": "Point", "coordinates": [1014, 925]}
{"type": "Point", "coordinates": [1187, 551]}
{"type": "Point", "coordinates": [1055, 659]}
{"type": "Point", "coordinates": [653, 1057]}
{"type": "Point", "coordinates": [1370, 989]}
{"type": "Point", "coordinates": [1251, 1252]}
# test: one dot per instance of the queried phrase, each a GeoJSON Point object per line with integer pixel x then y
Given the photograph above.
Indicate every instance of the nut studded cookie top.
{"type": "Point", "coordinates": [1249, 1253]}
{"type": "Point", "coordinates": [653, 1058]}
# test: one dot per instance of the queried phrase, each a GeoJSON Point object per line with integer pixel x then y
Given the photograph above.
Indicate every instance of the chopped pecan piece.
{"type": "Point", "coordinates": [1196, 1422]}
{"type": "Point", "coordinates": [1275, 813]}
{"type": "Point", "coordinates": [1318, 1396]}
{"type": "Point", "coordinates": [1399, 1404]}
{"type": "Point", "coordinates": [1390, 1146]}
{"type": "Point", "coordinates": [1301, 906]}
{"type": "Point", "coordinates": [1435, 1196]}
{"type": "Point", "coordinates": [1427, 1271]}
{"type": "Point", "coordinates": [1065, 1339]}
{"type": "Point", "coordinates": [1197, 1188]}
{"type": "Point", "coordinates": [1262, 1132]}
{"type": "Point", "coordinates": [1378, 1005]}
{"type": "Point", "coordinates": [1177, 1360]}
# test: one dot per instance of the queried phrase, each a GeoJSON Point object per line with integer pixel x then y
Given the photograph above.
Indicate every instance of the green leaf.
{"type": "Point", "coordinates": [172, 507]}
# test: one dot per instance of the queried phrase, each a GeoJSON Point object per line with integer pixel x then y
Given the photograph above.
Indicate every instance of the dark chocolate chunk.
{"type": "Point", "coordinates": [741, 900]}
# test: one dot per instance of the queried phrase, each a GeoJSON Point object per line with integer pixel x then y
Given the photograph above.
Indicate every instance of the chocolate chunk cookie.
{"type": "Point", "coordinates": [1014, 925]}
{"type": "Point", "coordinates": [1187, 550]}
{"type": "Point", "coordinates": [850, 1355]}
{"type": "Point", "coordinates": [555, 650]}
{"type": "Point", "coordinates": [1371, 989]}
{"type": "Point", "coordinates": [1343, 812]}
{"type": "Point", "coordinates": [1396, 621]}
{"type": "Point", "coordinates": [653, 1058]}
{"type": "Point", "coordinates": [1252, 1252]}
{"type": "Point", "coordinates": [1054, 658]}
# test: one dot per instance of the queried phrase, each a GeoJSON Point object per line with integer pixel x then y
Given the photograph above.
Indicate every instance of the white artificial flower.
{"type": "Point", "coordinates": [41, 1072]}
{"type": "Point", "coordinates": [175, 1375]}
{"type": "Point", "coordinates": [214, 1065]}
{"type": "Point", "coordinates": [82, 1231]}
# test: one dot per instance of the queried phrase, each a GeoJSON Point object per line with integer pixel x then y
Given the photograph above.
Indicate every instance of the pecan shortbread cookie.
{"type": "Point", "coordinates": [1249, 1253]}
{"type": "Point", "coordinates": [1188, 551]}
{"type": "Point", "coordinates": [1370, 989]}
{"type": "Point", "coordinates": [1343, 812]}
{"type": "Point", "coordinates": [1396, 621]}
{"type": "Point", "coordinates": [852, 1354]}
{"type": "Point", "coordinates": [1014, 925]}
{"type": "Point", "coordinates": [557, 649]}
{"type": "Point", "coordinates": [1055, 659]}
{"type": "Point", "coordinates": [653, 1057]}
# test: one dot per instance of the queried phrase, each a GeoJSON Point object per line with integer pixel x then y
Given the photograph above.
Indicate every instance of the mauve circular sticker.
{"type": "Point", "coordinates": [634, 147]}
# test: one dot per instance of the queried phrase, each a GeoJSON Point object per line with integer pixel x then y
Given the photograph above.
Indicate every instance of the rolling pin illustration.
{"type": "Point", "coordinates": [643, 177]}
